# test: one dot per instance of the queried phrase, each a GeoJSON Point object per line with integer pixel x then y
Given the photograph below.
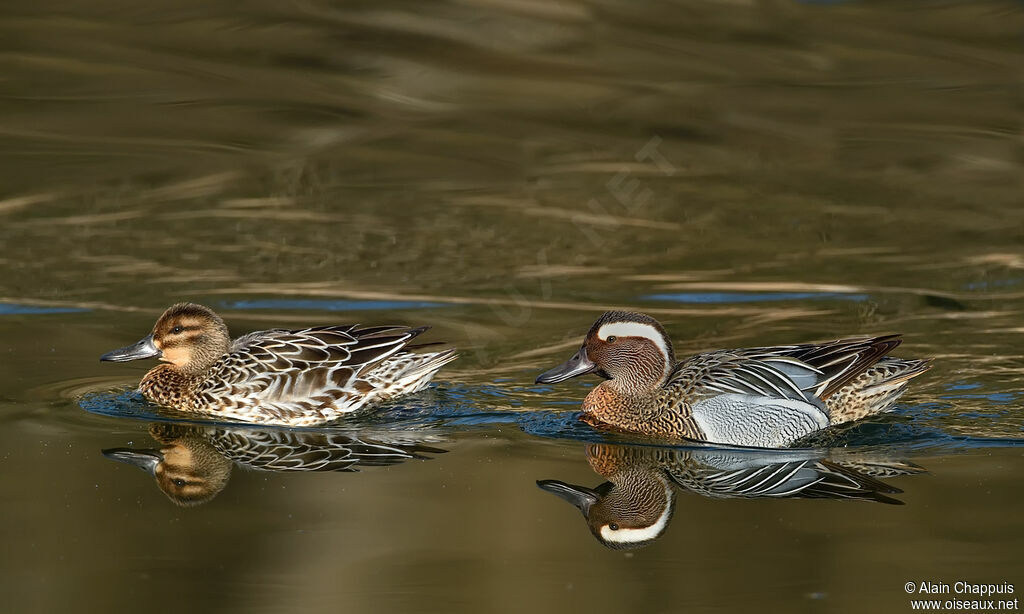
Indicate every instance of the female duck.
{"type": "Point", "coordinates": [287, 377]}
{"type": "Point", "coordinates": [764, 397]}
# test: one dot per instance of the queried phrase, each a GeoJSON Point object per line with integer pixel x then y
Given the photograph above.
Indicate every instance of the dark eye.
{"type": "Point", "coordinates": [177, 330]}
{"type": "Point", "coordinates": [611, 339]}
{"type": "Point", "coordinates": [613, 527]}
{"type": "Point", "coordinates": [180, 483]}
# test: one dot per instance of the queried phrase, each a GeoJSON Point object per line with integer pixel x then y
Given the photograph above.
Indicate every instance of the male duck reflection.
{"type": "Point", "coordinates": [194, 463]}
{"type": "Point", "coordinates": [764, 397]}
{"type": "Point", "coordinates": [285, 377]}
{"type": "Point", "coordinates": [635, 505]}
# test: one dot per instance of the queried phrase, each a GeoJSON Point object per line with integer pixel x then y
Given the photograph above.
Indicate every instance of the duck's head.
{"type": "Point", "coordinates": [631, 509]}
{"type": "Point", "coordinates": [189, 337]}
{"type": "Point", "coordinates": [629, 513]}
{"type": "Point", "coordinates": [188, 469]}
{"type": "Point", "coordinates": [631, 349]}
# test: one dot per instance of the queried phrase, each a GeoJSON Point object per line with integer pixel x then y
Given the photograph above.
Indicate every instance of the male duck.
{"type": "Point", "coordinates": [286, 377]}
{"type": "Point", "coordinates": [635, 505]}
{"type": "Point", "coordinates": [762, 397]}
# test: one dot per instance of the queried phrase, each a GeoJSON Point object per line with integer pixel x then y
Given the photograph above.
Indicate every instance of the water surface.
{"type": "Point", "coordinates": [749, 173]}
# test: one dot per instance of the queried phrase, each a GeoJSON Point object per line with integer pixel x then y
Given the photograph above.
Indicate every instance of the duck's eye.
{"type": "Point", "coordinates": [613, 527]}
{"type": "Point", "coordinates": [611, 339]}
{"type": "Point", "coordinates": [180, 483]}
{"type": "Point", "coordinates": [177, 330]}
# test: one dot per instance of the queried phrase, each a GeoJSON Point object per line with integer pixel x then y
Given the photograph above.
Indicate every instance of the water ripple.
{"type": "Point", "coordinates": [455, 408]}
{"type": "Point", "coordinates": [7, 309]}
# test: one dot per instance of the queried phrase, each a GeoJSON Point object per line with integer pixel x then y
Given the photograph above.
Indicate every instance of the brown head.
{"type": "Point", "coordinates": [188, 469]}
{"type": "Point", "coordinates": [632, 350]}
{"type": "Point", "coordinates": [190, 337]}
{"type": "Point", "coordinates": [630, 510]}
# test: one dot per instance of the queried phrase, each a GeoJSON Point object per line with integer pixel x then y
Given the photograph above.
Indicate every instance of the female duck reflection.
{"type": "Point", "coordinates": [635, 505]}
{"type": "Point", "coordinates": [194, 463]}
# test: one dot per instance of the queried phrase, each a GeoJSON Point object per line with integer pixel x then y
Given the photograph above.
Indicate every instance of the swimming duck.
{"type": "Point", "coordinates": [194, 462]}
{"type": "Point", "coordinates": [634, 507]}
{"type": "Point", "coordinates": [766, 397]}
{"type": "Point", "coordinates": [286, 377]}
{"type": "Point", "coordinates": [630, 510]}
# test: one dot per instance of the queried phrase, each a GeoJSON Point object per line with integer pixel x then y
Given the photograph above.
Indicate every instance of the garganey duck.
{"type": "Point", "coordinates": [194, 462]}
{"type": "Point", "coordinates": [634, 506]}
{"type": "Point", "coordinates": [285, 377]}
{"type": "Point", "coordinates": [766, 397]}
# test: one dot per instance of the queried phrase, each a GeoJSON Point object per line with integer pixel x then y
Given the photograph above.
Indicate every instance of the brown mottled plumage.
{"type": "Point", "coordinates": [287, 377]}
{"type": "Point", "coordinates": [762, 397]}
{"type": "Point", "coordinates": [194, 462]}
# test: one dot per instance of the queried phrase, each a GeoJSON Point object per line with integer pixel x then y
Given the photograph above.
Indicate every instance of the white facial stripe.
{"type": "Point", "coordinates": [635, 329]}
{"type": "Point", "coordinates": [642, 534]}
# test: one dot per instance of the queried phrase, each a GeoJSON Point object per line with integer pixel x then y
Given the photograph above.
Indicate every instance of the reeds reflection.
{"type": "Point", "coordinates": [635, 505]}
{"type": "Point", "coordinates": [194, 462]}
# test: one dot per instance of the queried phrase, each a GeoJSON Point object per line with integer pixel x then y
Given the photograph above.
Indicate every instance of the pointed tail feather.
{"type": "Point", "coordinates": [844, 360]}
{"type": "Point", "coordinates": [874, 390]}
{"type": "Point", "coordinates": [841, 482]}
{"type": "Point", "coordinates": [407, 373]}
{"type": "Point", "coordinates": [880, 469]}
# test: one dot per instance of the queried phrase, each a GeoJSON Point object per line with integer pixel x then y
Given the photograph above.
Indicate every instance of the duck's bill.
{"type": "Point", "coordinates": [147, 460]}
{"type": "Point", "coordinates": [581, 497]}
{"type": "Point", "coordinates": [143, 349]}
{"type": "Point", "coordinates": [579, 364]}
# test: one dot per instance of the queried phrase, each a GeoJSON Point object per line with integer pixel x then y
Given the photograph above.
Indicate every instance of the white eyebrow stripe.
{"type": "Point", "coordinates": [634, 536]}
{"type": "Point", "coordinates": [637, 329]}
{"type": "Point", "coordinates": [629, 329]}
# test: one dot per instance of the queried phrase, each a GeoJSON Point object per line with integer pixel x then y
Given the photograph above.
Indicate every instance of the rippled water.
{"type": "Point", "coordinates": [749, 173]}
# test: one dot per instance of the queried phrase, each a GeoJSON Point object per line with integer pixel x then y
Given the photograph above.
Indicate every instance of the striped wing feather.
{"type": "Point", "coordinates": [809, 479]}
{"type": "Point", "coordinates": [809, 372]}
{"type": "Point", "coordinates": [843, 360]}
{"type": "Point", "coordinates": [323, 364]}
{"type": "Point", "coordinates": [294, 451]}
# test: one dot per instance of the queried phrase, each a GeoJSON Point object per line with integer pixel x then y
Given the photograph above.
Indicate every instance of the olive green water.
{"type": "Point", "coordinates": [750, 173]}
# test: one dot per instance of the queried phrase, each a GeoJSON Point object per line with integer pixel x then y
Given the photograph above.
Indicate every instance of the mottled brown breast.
{"type": "Point", "coordinates": [165, 386]}
{"type": "Point", "coordinates": [605, 459]}
{"type": "Point", "coordinates": [652, 413]}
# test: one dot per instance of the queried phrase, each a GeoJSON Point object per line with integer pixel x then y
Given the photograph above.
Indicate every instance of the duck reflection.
{"type": "Point", "coordinates": [194, 462]}
{"type": "Point", "coordinates": [634, 507]}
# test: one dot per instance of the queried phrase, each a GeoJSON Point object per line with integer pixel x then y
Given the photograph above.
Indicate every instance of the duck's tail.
{"type": "Point", "coordinates": [874, 390]}
{"type": "Point", "coordinates": [407, 372]}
